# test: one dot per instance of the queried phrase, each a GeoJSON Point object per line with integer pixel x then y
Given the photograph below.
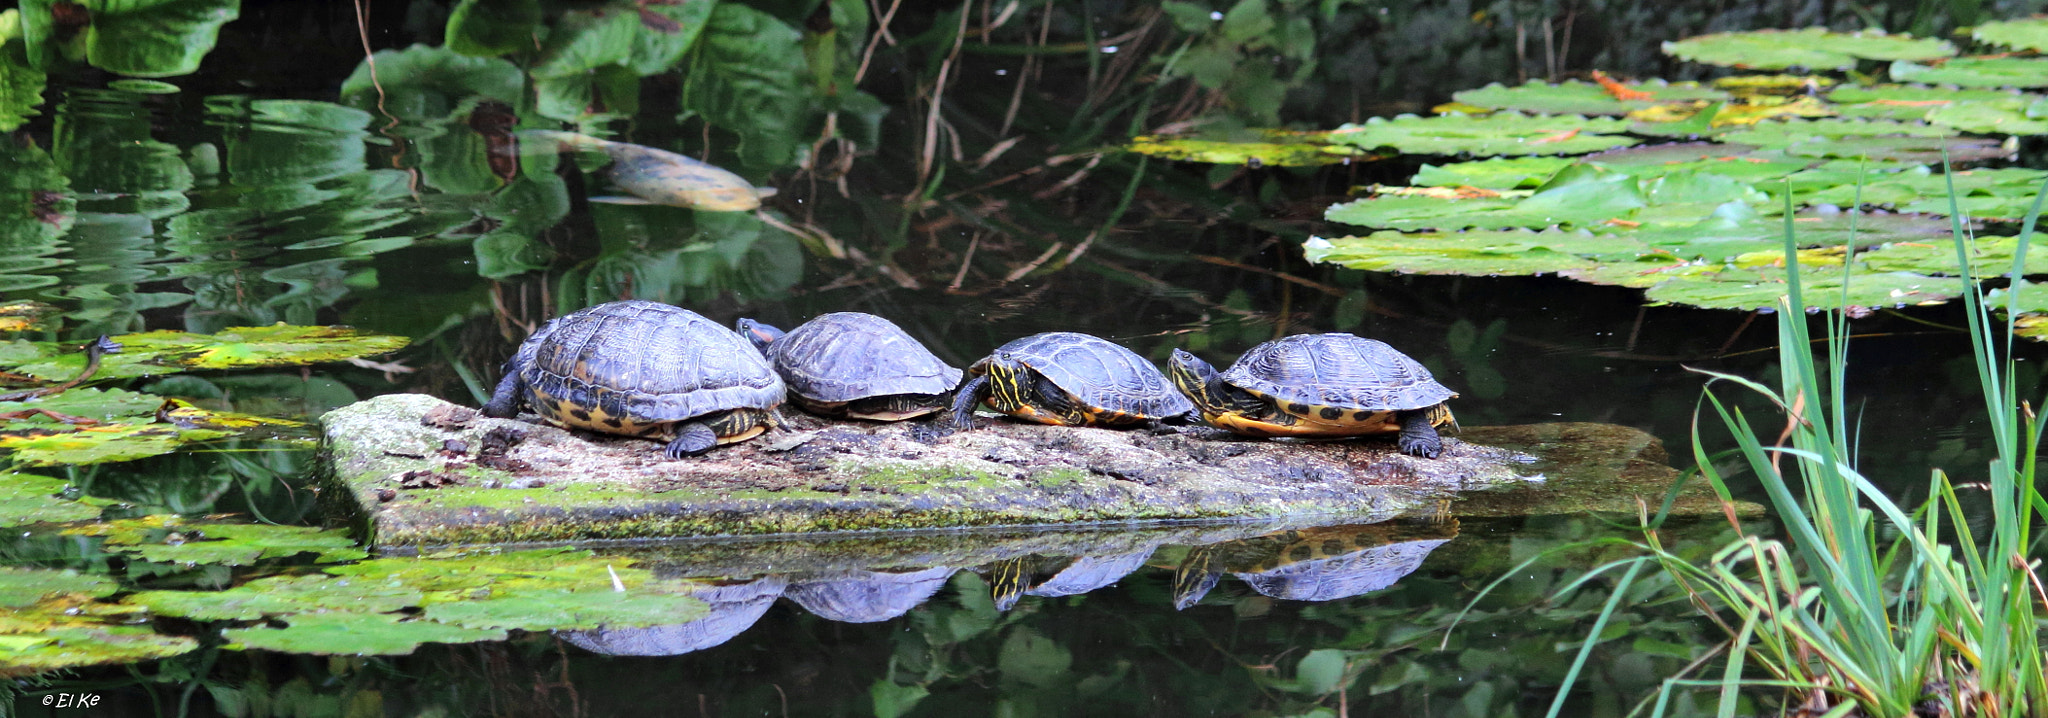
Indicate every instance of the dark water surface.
{"type": "Point", "coordinates": [260, 191]}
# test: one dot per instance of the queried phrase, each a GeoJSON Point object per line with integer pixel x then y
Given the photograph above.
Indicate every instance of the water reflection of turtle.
{"type": "Point", "coordinates": [1320, 385]}
{"type": "Point", "coordinates": [1068, 379]}
{"type": "Point", "coordinates": [1319, 564]}
{"type": "Point", "coordinates": [734, 607]}
{"type": "Point", "coordinates": [866, 596]}
{"type": "Point", "coordinates": [642, 369]}
{"type": "Point", "coordinates": [1011, 579]}
{"type": "Point", "coordinates": [857, 365]}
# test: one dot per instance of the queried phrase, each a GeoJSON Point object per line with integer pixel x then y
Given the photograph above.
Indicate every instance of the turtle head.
{"type": "Point", "coordinates": [760, 334]}
{"type": "Point", "coordinates": [1197, 380]}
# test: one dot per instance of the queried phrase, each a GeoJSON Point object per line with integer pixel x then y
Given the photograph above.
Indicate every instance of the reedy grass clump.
{"type": "Point", "coordinates": [1863, 608]}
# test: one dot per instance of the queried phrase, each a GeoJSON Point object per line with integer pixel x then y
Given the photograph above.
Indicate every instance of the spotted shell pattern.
{"type": "Point", "coordinates": [637, 367]}
{"type": "Point", "coordinates": [1336, 370]}
{"type": "Point", "coordinates": [1096, 371]}
{"type": "Point", "coordinates": [844, 356]}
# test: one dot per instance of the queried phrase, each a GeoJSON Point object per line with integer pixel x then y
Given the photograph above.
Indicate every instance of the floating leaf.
{"type": "Point", "coordinates": [1781, 135]}
{"type": "Point", "coordinates": [57, 643]}
{"type": "Point", "coordinates": [1583, 98]}
{"type": "Point", "coordinates": [1479, 253]}
{"type": "Point", "coordinates": [1906, 102]}
{"type": "Point", "coordinates": [102, 443]}
{"type": "Point", "coordinates": [1918, 187]}
{"type": "Point", "coordinates": [1762, 287]}
{"type": "Point", "coordinates": [24, 587]}
{"type": "Point", "coordinates": [1917, 150]}
{"type": "Point", "coordinates": [169, 352]}
{"type": "Point", "coordinates": [1813, 48]}
{"type": "Point", "coordinates": [170, 539]}
{"type": "Point", "coordinates": [554, 609]}
{"type": "Point", "coordinates": [1755, 86]}
{"type": "Point", "coordinates": [1989, 257]}
{"type": "Point", "coordinates": [24, 314]}
{"type": "Point", "coordinates": [544, 569]}
{"type": "Point", "coordinates": [1742, 114]}
{"type": "Point", "coordinates": [27, 499]}
{"type": "Point", "coordinates": [2011, 116]}
{"type": "Point", "coordinates": [1277, 148]}
{"type": "Point", "coordinates": [359, 634]}
{"type": "Point", "coordinates": [1977, 72]}
{"type": "Point", "coordinates": [1578, 204]}
{"type": "Point", "coordinates": [280, 595]}
{"type": "Point", "coordinates": [1504, 133]}
{"type": "Point", "coordinates": [2025, 34]}
{"type": "Point", "coordinates": [1734, 161]}
{"type": "Point", "coordinates": [1498, 173]}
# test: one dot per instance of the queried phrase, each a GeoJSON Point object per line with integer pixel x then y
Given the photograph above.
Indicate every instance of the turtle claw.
{"type": "Point", "coordinates": [692, 439]}
{"type": "Point", "coordinates": [1418, 436]}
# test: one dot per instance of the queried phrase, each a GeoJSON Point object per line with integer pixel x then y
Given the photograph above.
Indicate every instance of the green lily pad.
{"type": "Point", "coordinates": [69, 643]}
{"type": "Point", "coordinates": [102, 443]}
{"type": "Point", "coordinates": [24, 587]}
{"type": "Point", "coordinates": [1906, 102]}
{"type": "Point", "coordinates": [2011, 116]}
{"type": "Point", "coordinates": [1915, 187]}
{"type": "Point", "coordinates": [1503, 133]}
{"type": "Point", "coordinates": [546, 609]}
{"type": "Point", "coordinates": [1582, 202]}
{"type": "Point", "coordinates": [2032, 297]}
{"type": "Point", "coordinates": [1989, 257]}
{"type": "Point", "coordinates": [452, 577]}
{"type": "Point", "coordinates": [280, 595]}
{"type": "Point", "coordinates": [1583, 98]}
{"type": "Point", "coordinates": [1918, 150]}
{"type": "Point", "coordinates": [28, 499]}
{"type": "Point", "coordinates": [1780, 135]}
{"type": "Point", "coordinates": [1734, 161]}
{"type": "Point", "coordinates": [344, 633]}
{"type": "Point", "coordinates": [1277, 148]}
{"type": "Point", "coordinates": [169, 352]}
{"type": "Point", "coordinates": [1977, 72]}
{"type": "Point", "coordinates": [24, 315]}
{"type": "Point", "coordinates": [1813, 48]}
{"type": "Point", "coordinates": [1761, 288]}
{"type": "Point", "coordinates": [171, 539]}
{"type": "Point", "coordinates": [1497, 173]}
{"type": "Point", "coordinates": [2025, 34]}
{"type": "Point", "coordinates": [1478, 253]}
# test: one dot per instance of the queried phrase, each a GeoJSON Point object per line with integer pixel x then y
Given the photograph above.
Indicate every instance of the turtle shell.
{"type": "Point", "coordinates": [1097, 372]}
{"type": "Point", "coordinates": [844, 356]}
{"type": "Point", "coordinates": [1310, 372]}
{"type": "Point", "coordinates": [637, 368]}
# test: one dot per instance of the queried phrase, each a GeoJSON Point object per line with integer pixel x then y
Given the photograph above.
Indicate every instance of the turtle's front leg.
{"type": "Point", "coordinates": [964, 401]}
{"type": "Point", "coordinates": [505, 400]}
{"type": "Point", "coordinates": [1418, 435]}
{"type": "Point", "coordinates": [692, 438]}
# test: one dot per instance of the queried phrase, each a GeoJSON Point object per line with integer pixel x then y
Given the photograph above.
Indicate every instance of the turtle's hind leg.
{"type": "Point", "coordinates": [505, 400]}
{"type": "Point", "coordinates": [692, 438]}
{"type": "Point", "coordinates": [1418, 434]}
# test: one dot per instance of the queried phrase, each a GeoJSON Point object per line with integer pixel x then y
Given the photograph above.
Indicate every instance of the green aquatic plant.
{"type": "Point", "coordinates": [1812, 48]}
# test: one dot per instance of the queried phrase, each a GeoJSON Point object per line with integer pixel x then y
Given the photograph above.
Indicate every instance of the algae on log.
{"type": "Point", "coordinates": [414, 470]}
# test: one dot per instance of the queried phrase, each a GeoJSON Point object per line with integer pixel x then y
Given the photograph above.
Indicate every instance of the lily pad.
{"type": "Point", "coordinates": [1812, 48]}
{"type": "Point", "coordinates": [1757, 110]}
{"type": "Point", "coordinates": [1584, 98]}
{"type": "Point", "coordinates": [1989, 257]}
{"type": "Point", "coordinates": [1916, 188]}
{"type": "Point", "coordinates": [102, 443]}
{"type": "Point", "coordinates": [1504, 133]}
{"type": "Point", "coordinates": [345, 633]}
{"type": "Point", "coordinates": [536, 569]}
{"type": "Point", "coordinates": [1906, 102]}
{"type": "Point", "coordinates": [169, 352]}
{"type": "Point", "coordinates": [62, 642]}
{"type": "Point", "coordinates": [2025, 34]}
{"type": "Point", "coordinates": [1919, 150]}
{"type": "Point", "coordinates": [1582, 202]}
{"type": "Point", "coordinates": [1276, 148]}
{"type": "Point", "coordinates": [1977, 72]}
{"type": "Point", "coordinates": [1479, 253]}
{"type": "Point", "coordinates": [1734, 161]}
{"type": "Point", "coordinates": [24, 587]}
{"type": "Point", "coordinates": [1497, 173]}
{"type": "Point", "coordinates": [28, 499]}
{"type": "Point", "coordinates": [170, 539]}
{"type": "Point", "coordinates": [280, 595]}
{"type": "Point", "coordinates": [555, 609]}
{"type": "Point", "coordinates": [1761, 288]}
{"type": "Point", "coordinates": [1781, 135]}
{"type": "Point", "coordinates": [2011, 116]}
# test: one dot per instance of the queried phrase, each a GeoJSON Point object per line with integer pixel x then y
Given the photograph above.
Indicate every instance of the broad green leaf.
{"type": "Point", "coordinates": [170, 352]}
{"type": "Point", "coordinates": [1478, 253]}
{"type": "Point", "coordinates": [28, 499]}
{"type": "Point", "coordinates": [1918, 150]}
{"type": "Point", "coordinates": [1582, 201]}
{"type": "Point", "coordinates": [1321, 671]}
{"type": "Point", "coordinates": [140, 38]}
{"type": "Point", "coordinates": [1813, 48]}
{"type": "Point", "coordinates": [1977, 72]}
{"type": "Point", "coordinates": [24, 587]}
{"type": "Point", "coordinates": [278, 596]}
{"type": "Point", "coordinates": [488, 28]}
{"type": "Point", "coordinates": [557, 609]}
{"type": "Point", "coordinates": [101, 444]}
{"type": "Point", "coordinates": [2024, 34]}
{"type": "Point", "coordinates": [454, 577]}
{"type": "Point", "coordinates": [1266, 147]}
{"type": "Point", "coordinates": [1915, 187]}
{"type": "Point", "coordinates": [1906, 102]}
{"type": "Point", "coordinates": [1761, 288]}
{"type": "Point", "coordinates": [584, 40]}
{"type": "Point", "coordinates": [1781, 135]}
{"type": "Point", "coordinates": [508, 252]}
{"type": "Point", "coordinates": [423, 83]}
{"type": "Point", "coordinates": [1031, 659]}
{"type": "Point", "coordinates": [605, 92]}
{"type": "Point", "coordinates": [171, 539]}
{"type": "Point", "coordinates": [892, 700]}
{"type": "Point", "coordinates": [746, 78]}
{"type": "Point", "coordinates": [1989, 257]}
{"type": "Point", "coordinates": [1498, 173]}
{"type": "Point", "coordinates": [1733, 161]}
{"type": "Point", "coordinates": [1583, 98]}
{"type": "Point", "coordinates": [2011, 116]}
{"type": "Point", "coordinates": [21, 83]}
{"type": "Point", "coordinates": [1504, 133]}
{"type": "Point", "coordinates": [56, 643]}
{"type": "Point", "coordinates": [662, 40]}
{"type": "Point", "coordinates": [344, 633]}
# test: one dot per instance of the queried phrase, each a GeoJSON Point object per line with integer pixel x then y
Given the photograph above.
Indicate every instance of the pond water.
{"type": "Point", "coordinates": [974, 193]}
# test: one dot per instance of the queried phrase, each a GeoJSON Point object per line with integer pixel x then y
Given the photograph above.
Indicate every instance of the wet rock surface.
{"type": "Point", "coordinates": [414, 470]}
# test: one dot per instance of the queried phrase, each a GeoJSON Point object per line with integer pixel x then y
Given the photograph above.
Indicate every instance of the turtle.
{"type": "Point", "coordinates": [1069, 379]}
{"type": "Point", "coordinates": [856, 365]}
{"type": "Point", "coordinates": [1314, 385]}
{"type": "Point", "coordinates": [645, 369]}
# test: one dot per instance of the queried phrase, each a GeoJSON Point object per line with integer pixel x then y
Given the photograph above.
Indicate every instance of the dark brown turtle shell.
{"type": "Point", "coordinates": [847, 356]}
{"type": "Point", "coordinates": [638, 367]}
{"type": "Point", "coordinates": [1310, 372]}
